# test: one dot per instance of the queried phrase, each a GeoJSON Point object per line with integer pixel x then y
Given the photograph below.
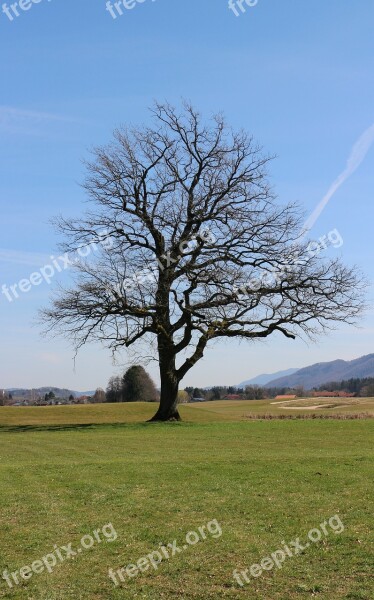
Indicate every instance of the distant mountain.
{"type": "Point", "coordinates": [320, 373]}
{"type": "Point", "coordinates": [265, 378]}
{"type": "Point", "coordinates": [58, 392]}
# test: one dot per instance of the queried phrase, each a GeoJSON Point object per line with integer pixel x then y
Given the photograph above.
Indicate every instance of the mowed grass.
{"type": "Point", "coordinates": [204, 412]}
{"type": "Point", "coordinates": [264, 481]}
{"type": "Point", "coordinates": [243, 410]}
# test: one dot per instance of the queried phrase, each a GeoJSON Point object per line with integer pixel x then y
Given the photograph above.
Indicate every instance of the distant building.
{"type": "Point", "coordinates": [82, 400]}
{"type": "Point", "coordinates": [286, 397]}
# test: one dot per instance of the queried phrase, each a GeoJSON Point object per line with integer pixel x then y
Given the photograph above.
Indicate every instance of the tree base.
{"type": "Point", "coordinates": [164, 417]}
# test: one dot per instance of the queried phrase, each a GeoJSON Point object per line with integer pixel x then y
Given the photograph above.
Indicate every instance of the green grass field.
{"type": "Point", "coordinates": [205, 412]}
{"type": "Point", "coordinates": [67, 471]}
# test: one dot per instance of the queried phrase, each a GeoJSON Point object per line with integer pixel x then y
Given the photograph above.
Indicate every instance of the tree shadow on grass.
{"type": "Point", "coordinates": [80, 427]}
{"type": "Point", "coordinates": [26, 428]}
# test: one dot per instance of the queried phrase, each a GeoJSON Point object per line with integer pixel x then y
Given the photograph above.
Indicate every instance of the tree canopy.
{"type": "Point", "coordinates": [138, 386]}
{"type": "Point", "coordinates": [197, 248]}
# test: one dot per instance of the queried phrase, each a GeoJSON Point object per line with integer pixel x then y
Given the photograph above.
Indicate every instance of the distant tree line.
{"type": "Point", "coordinates": [137, 386]}
{"type": "Point", "coordinates": [250, 392]}
{"type": "Point", "coordinates": [361, 387]}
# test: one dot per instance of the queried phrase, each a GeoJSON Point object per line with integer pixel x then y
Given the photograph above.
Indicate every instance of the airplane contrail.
{"type": "Point", "coordinates": [19, 257]}
{"type": "Point", "coordinates": [358, 154]}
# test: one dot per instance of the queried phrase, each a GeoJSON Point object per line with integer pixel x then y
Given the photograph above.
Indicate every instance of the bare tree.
{"type": "Point", "coordinates": [114, 391]}
{"type": "Point", "coordinates": [99, 396]}
{"type": "Point", "coordinates": [199, 250]}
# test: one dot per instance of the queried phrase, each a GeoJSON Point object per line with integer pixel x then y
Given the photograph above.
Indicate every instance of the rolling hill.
{"type": "Point", "coordinates": [266, 377]}
{"type": "Point", "coordinates": [320, 373]}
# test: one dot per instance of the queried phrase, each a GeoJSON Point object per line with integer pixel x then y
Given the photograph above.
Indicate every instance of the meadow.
{"type": "Point", "coordinates": [68, 471]}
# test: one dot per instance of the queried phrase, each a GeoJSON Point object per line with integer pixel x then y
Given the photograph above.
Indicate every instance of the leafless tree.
{"type": "Point", "coordinates": [197, 249]}
{"type": "Point", "coordinates": [99, 396]}
{"type": "Point", "coordinates": [114, 391]}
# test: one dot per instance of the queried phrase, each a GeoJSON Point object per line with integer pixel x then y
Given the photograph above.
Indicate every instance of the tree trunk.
{"type": "Point", "coordinates": [168, 409]}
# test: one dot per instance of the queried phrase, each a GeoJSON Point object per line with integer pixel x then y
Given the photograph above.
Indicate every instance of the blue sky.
{"type": "Point", "coordinates": [296, 74]}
